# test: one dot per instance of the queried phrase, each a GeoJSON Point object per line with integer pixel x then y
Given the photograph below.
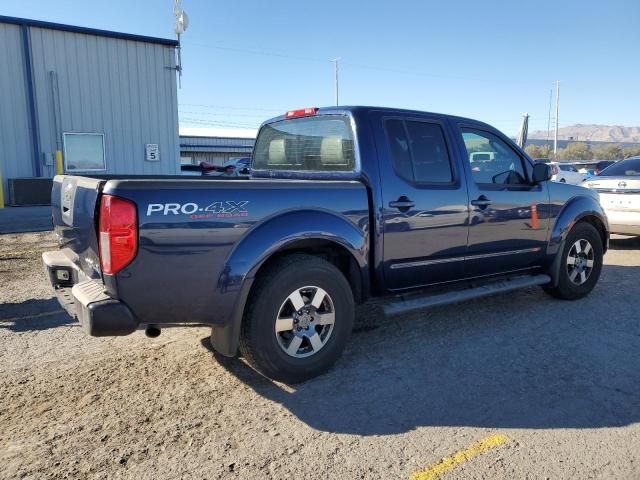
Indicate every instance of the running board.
{"type": "Point", "coordinates": [501, 286]}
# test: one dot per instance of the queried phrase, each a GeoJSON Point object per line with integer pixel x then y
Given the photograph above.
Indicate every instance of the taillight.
{"type": "Point", "coordinates": [301, 112]}
{"type": "Point", "coordinates": [118, 233]}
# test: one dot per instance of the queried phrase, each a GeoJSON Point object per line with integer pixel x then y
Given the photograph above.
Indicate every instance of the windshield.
{"type": "Point", "coordinates": [322, 143]}
{"type": "Point", "coordinates": [625, 168]}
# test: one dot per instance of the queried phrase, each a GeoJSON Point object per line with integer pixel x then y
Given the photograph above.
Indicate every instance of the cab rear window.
{"type": "Point", "coordinates": [322, 143]}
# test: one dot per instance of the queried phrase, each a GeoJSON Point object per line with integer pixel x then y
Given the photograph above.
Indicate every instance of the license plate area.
{"type": "Point", "coordinates": [622, 202]}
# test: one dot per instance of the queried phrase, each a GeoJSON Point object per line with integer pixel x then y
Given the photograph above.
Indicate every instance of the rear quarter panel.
{"type": "Point", "coordinates": [199, 241]}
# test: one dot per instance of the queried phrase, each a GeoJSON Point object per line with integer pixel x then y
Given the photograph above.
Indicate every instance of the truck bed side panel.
{"type": "Point", "coordinates": [189, 229]}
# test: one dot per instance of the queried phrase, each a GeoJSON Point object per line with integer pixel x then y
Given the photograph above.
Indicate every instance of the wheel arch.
{"type": "Point", "coordinates": [578, 209]}
{"type": "Point", "coordinates": [314, 232]}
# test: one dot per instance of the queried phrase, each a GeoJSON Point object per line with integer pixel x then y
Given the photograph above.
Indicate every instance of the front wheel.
{"type": "Point", "coordinates": [580, 263]}
{"type": "Point", "coordinates": [298, 319]}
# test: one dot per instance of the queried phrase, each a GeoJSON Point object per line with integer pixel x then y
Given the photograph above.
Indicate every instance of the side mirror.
{"type": "Point", "coordinates": [541, 173]}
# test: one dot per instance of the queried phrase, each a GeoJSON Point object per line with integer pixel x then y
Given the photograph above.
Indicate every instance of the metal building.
{"type": "Point", "coordinates": [93, 101]}
{"type": "Point", "coordinates": [214, 150]}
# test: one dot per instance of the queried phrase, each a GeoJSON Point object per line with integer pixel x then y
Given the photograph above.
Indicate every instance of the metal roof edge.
{"type": "Point", "coordinates": [87, 30]}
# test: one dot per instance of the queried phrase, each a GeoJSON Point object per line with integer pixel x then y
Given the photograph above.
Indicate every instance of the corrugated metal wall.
{"type": "Point", "coordinates": [124, 89]}
{"type": "Point", "coordinates": [15, 140]}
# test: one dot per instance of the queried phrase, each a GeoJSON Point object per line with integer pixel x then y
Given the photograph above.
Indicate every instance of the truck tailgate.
{"type": "Point", "coordinates": [75, 206]}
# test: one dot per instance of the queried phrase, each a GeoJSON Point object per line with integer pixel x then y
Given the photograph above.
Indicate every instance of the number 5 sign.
{"type": "Point", "coordinates": [152, 152]}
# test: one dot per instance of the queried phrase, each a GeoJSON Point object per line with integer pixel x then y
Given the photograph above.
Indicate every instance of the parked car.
{"type": "Point", "coordinates": [237, 167]}
{"type": "Point", "coordinates": [600, 166]}
{"type": "Point", "coordinates": [619, 189]}
{"type": "Point", "coordinates": [234, 167]}
{"type": "Point", "coordinates": [345, 205]}
{"type": "Point", "coordinates": [566, 173]}
{"type": "Point", "coordinates": [587, 172]}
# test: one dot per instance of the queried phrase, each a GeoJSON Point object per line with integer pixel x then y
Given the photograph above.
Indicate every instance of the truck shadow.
{"type": "Point", "coordinates": [33, 315]}
{"type": "Point", "coordinates": [522, 360]}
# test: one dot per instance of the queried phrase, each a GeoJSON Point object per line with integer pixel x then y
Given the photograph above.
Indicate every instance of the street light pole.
{"type": "Point", "coordinates": [555, 137]}
{"type": "Point", "coordinates": [337, 80]}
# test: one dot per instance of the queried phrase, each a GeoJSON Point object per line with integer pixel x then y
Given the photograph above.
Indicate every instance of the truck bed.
{"type": "Point", "coordinates": [190, 227]}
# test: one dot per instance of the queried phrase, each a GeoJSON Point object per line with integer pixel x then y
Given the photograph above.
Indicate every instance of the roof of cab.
{"type": "Point", "coordinates": [363, 108]}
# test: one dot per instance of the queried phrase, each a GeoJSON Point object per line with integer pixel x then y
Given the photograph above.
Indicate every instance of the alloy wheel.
{"type": "Point", "coordinates": [580, 261]}
{"type": "Point", "coordinates": [305, 321]}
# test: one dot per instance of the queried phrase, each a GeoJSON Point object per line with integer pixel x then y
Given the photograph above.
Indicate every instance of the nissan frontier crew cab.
{"type": "Point", "coordinates": [345, 205]}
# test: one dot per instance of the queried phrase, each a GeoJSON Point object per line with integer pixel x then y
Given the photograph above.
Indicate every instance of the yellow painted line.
{"type": "Point", "coordinates": [449, 463]}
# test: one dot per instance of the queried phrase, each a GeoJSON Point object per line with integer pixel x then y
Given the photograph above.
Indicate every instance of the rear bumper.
{"type": "Point", "coordinates": [623, 222]}
{"type": "Point", "coordinates": [85, 298]}
{"type": "Point", "coordinates": [622, 229]}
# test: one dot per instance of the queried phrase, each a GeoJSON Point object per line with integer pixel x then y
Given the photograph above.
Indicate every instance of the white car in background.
{"type": "Point", "coordinates": [566, 173]}
{"type": "Point", "coordinates": [619, 190]}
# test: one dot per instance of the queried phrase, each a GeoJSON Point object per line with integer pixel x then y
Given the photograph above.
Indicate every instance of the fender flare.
{"type": "Point", "coordinates": [269, 237]}
{"type": "Point", "coordinates": [574, 210]}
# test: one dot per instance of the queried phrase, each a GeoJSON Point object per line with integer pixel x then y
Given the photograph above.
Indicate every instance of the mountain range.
{"type": "Point", "coordinates": [595, 133]}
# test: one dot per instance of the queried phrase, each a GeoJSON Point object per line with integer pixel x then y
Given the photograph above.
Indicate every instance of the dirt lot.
{"type": "Point", "coordinates": [557, 382]}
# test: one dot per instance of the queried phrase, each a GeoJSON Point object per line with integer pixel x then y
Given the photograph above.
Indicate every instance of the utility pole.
{"type": "Point", "coordinates": [555, 138]}
{"type": "Point", "coordinates": [336, 61]}
{"type": "Point", "coordinates": [549, 118]}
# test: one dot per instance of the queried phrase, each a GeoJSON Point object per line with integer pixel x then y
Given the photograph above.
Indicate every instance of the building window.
{"type": "Point", "coordinates": [186, 160]}
{"type": "Point", "coordinates": [84, 152]}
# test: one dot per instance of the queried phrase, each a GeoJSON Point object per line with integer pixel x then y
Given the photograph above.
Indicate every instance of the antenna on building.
{"type": "Point", "coordinates": [182, 23]}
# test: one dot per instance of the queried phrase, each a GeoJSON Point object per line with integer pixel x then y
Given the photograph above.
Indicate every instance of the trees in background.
{"type": "Point", "coordinates": [632, 152]}
{"type": "Point", "coordinates": [576, 151]}
{"type": "Point", "coordinates": [539, 151]}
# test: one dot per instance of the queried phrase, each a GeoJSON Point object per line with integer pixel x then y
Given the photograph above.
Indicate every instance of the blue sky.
{"type": "Point", "coordinates": [247, 60]}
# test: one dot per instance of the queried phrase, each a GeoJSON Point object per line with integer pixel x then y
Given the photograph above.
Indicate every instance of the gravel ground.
{"type": "Point", "coordinates": [561, 380]}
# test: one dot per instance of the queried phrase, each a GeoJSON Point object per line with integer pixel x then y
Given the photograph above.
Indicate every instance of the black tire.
{"type": "Point", "coordinates": [261, 345]}
{"type": "Point", "coordinates": [562, 180]}
{"type": "Point", "coordinates": [566, 288]}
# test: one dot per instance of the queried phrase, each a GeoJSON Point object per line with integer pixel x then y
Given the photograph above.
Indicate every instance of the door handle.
{"type": "Point", "coordinates": [481, 202]}
{"type": "Point", "coordinates": [403, 204]}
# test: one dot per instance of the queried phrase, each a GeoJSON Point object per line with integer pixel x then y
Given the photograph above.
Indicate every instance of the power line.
{"type": "Point", "coordinates": [351, 64]}
{"type": "Point", "coordinates": [227, 107]}
{"type": "Point", "coordinates": [218, 123]}
{"type": "Point", "coordinates": [244, 115]}
{"type": "Point", "coordinates": [257, 52]}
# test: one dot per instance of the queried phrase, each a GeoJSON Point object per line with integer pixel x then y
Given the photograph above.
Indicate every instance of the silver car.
{"type": "Point", "coordinates": [619, 188]}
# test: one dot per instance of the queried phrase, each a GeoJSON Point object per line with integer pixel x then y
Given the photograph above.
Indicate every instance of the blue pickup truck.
{"type": "Point", "coordinates": [345, 205]}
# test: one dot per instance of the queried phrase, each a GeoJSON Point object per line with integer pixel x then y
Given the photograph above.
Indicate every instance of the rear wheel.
{"type": "Point", "coordinates": [298, 320]}
{"type": "Point", "coordinates": [580, 263]}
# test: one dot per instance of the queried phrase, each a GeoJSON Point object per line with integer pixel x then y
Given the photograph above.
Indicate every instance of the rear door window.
{"type": "Point", "coordinates": [419, 152]}
{"type": "Point", "coordinates": [322, 143]}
